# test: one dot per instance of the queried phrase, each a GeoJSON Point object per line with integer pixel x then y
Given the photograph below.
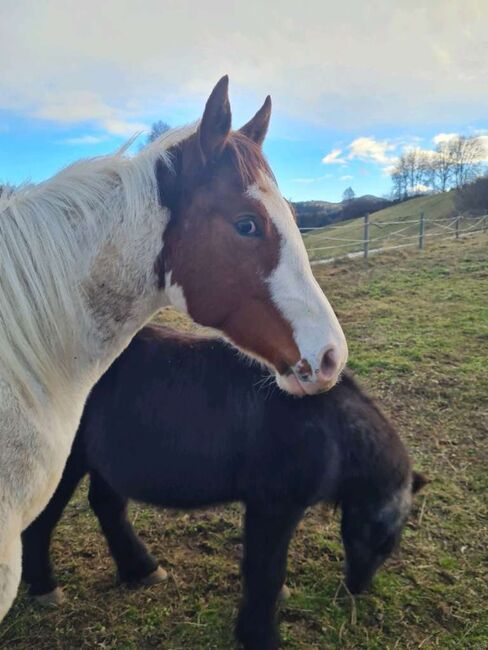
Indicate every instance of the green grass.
{"type": "Point", "coordinates": [327, 242]}
{"type": "Point", "coordinates": [417, 326]}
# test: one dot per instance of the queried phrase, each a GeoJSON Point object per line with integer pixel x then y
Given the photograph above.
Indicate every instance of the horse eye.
{"type": "Point", "coordinates": [248, 227]}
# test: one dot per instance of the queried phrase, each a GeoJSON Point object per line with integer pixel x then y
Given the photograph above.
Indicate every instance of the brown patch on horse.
{"type": "Point", "coordinates": [205, 192]}
{"type": "Point", "coordinates": [201, 244]}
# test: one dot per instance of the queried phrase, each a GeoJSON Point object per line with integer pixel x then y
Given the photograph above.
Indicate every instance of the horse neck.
{"type": "Point", "coordinates": [79, 281]}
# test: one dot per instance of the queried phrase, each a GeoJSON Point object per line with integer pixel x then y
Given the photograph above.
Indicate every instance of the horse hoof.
{"type": "Point", "coordinates": [285, 594]}
{"type": "Point", "coordinates": [54, 598]}
{"type": "Point", "coordinates": [155, 578]}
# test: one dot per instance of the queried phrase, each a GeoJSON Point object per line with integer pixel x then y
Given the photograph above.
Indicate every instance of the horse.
{"type": "Point", "coordinates": [182, 421]}
{"type": "Point", "coordinates": [195, 220]}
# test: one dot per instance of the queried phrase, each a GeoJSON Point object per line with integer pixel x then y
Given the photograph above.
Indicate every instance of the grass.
{"type": "Point", "coordinates": [418, 332]}
{"type": "Point", "coordinates": [347, 237]}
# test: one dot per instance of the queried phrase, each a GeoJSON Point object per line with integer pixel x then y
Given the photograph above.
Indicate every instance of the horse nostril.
{"type": "Point", "coordinates": [328, 364]}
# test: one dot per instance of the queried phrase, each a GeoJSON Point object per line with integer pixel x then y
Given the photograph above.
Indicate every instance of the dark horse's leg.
{"type": "Point", "coordinates": [267, 537]}
{"type": "Point", "coordinates": [134, 562]}
{"type": "Point", "coordinates": [37, 570]}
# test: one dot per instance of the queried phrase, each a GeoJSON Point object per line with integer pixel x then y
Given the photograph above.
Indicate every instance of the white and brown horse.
{"type": "Point", "coordinates": [195, 220]}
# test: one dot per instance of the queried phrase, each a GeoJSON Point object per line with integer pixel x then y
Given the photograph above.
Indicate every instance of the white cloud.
{"type": "Point", "coordinates": [82, 106]}
{"type": "Point", "coordinates": [334, 158]}
{"type": "Point", "coordinates": [484, 143]}
{"type": "Point", "coordinates": [370, 150]}
{"type": "Point", "coordinates": [441, 138]}
{"type": "Point", "coordinates": [123, 127]}
{"type": "Point", "coordinates": [138, 59]}
{"type": "Point", "coordinates": [84, 139]}
{"type": "Point", "coordinates": [389, 169]}
{"type": "Point", "coordinates": [347, 177]}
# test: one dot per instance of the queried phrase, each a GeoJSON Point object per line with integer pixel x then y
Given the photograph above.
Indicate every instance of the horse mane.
{"type": "Point", "coordinates": [47, 233]}
{"type": "Point", "coordinates": [375, 459]}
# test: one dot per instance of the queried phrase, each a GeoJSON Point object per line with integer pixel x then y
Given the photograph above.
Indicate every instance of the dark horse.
{"type": "Point", "coordinates": [183, 421]}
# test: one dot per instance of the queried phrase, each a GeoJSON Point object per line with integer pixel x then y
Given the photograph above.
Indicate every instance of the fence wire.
{"type": "Point", "coordinates": [407, 235]}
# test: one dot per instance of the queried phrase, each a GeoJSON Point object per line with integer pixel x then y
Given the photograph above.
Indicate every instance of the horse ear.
{"type": "Point", "coordinates": [215, 125]}
{"type": "Point", "coordinates": [257, 127]}
{"type": "Point", "coordinates": [418, 482]}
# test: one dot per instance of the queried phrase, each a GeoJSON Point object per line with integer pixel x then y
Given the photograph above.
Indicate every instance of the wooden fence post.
{"type": "Point", "coordinates": [421, 231]}
{"type": "Point", "coordinates": [458, 218]}
{"type": "Point", "coordinates": [366, 235]}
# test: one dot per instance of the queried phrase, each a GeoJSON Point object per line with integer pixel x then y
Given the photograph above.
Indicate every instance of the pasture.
{"type": "Point", "coordinates": [417, 326]}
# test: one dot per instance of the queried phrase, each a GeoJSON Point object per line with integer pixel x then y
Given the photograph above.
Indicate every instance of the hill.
{"type": "Point", "coordinates": [335, 240]}
{"type": "Point", "coordinates": [313, 214]}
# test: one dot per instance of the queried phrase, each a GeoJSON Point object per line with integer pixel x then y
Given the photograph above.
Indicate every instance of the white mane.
{"type": "Point", "coordinates": [47, 233]}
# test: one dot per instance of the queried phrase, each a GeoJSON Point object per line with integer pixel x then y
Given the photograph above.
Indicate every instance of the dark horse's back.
{"type": "Point", "coordinates": [176, 405]}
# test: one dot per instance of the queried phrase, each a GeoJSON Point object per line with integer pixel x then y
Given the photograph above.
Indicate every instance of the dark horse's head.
{"type": "Point", "coordinates": [372, 528]}
{"type": "Point", "coordinates": [233, 257]}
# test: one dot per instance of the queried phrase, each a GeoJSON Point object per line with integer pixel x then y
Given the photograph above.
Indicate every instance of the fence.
{"type": "Point", "coordinates": [372, 236]}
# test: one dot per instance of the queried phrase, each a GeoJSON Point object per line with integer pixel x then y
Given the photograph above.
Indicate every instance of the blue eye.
{"type": "Point", "coordinates": [247, 227]}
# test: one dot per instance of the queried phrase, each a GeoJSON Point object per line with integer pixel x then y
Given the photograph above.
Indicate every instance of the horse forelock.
{"type": "Point", "coordinates": [248, 159]}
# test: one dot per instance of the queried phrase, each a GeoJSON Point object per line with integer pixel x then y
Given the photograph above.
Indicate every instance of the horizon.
{"type": "Point", "coordinates": [346, 100]}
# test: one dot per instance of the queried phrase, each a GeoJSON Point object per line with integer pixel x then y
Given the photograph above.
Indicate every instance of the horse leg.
{"type": "Point", "coordinates": [10, 566]}
{"type": "Point", "coordinates": [267, 537]}
{"type": "Point", "coordinates": [37, 570]}
{"type": "Point", "coordinates": [133, 560]}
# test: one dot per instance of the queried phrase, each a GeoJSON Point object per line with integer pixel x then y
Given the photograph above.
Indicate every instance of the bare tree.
{"type": "Point", "coordinates": [411, 173]}
{"type": "Point", "coordinates": [157, 129]}
{"type": "Point", "coordinates": [466, 155]}
{"type": "Point", "coordinates": [399, 189]}
{"type": "Point", "coordinates": [453, 163]}
{"type": "Point", "coordinates": [348, 195]}
{"type": "Point", "coordinates": [442, 167]}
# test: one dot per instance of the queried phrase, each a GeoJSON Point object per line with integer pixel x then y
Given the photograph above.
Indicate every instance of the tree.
{"type": "Point", "coordinates": [157, 129]}
{"type": "Point", "coordinates": [453, 163]}
{"type": "Point", "coordinates": [348, 195]}
{"type": "Point", "coordinates": [442, 167]}
{"type": "Point", "coordinates": [410, 173]}
{"type": "Point", "coordinates": [473, 197]}
{"type": "Point", "coordinates": [466, 155]}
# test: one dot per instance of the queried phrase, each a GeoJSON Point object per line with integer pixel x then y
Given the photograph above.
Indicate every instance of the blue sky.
{"type": "Point", "coordinates": [352, 83]}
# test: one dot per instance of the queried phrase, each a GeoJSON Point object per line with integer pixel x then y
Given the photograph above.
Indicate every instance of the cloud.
{"type": "Point", "coordinates": [84, 139]}
{"type": "Point", "coordinates": [82, 106]}
{"type": "Point", "coordinates": [347, 177]}
{"type": "Point", "coordinates": [141, 59]}
{"type": "Point", "coordinates": [441, 138]}
{"type": "Point", "coordinates": [366, 149]}
{"type": "Point", "coordinates": [370, 150]}
{"type": "Point", "coordinates": [123, 127]}
{"type": "Point", "coordinates": [334, 158]}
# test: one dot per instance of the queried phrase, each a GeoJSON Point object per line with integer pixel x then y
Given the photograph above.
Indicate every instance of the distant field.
{"type": "Point", "coordinates": [333, 241]}
{"type": "Point", "coordinates": [417, 326]}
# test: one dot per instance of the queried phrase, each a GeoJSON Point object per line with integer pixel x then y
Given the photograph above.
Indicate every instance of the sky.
{"type": "Point", "coordinates": [353, 83]}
